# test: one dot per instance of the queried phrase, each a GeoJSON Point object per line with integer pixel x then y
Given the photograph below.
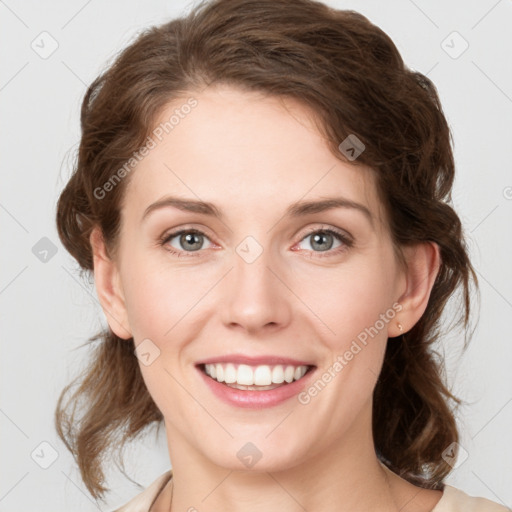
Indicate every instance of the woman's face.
{"type": "Point", "coordinates": [262, 279]}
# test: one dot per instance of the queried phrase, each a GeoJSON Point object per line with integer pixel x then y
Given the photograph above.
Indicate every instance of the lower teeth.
{"type": "Point", "coordinates": [254, 388]}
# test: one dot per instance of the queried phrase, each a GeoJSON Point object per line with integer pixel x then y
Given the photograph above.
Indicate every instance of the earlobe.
{"type": "Point", "coordinates": [108, 286]}
{"type": "Point", "coordinates": [423, 263]}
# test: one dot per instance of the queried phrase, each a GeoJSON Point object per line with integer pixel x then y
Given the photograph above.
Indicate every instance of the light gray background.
{"type": "Point", "coordinates": [47, 311]}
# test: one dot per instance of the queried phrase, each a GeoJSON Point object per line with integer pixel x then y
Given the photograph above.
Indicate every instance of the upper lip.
{"type": "Point", "coordinates": [254, 361]}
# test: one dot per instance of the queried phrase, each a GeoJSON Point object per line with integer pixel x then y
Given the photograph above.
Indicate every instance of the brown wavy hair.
{"type": "Point", "coordinates": [350, 73]}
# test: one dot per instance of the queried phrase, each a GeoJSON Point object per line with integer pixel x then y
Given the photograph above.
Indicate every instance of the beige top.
{"type": "Point", "coordinates": [452, 500]}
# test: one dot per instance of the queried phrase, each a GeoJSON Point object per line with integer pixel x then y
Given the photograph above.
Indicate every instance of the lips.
{"type": "Point", "coordinates": [255, 381]}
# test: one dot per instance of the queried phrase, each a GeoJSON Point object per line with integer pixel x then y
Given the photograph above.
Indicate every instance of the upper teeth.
{"type": "Point", "coordinates": [262, 375]}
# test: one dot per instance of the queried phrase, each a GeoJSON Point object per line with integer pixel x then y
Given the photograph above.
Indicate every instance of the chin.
{"type": "Point", "coordinates": [257, 453]}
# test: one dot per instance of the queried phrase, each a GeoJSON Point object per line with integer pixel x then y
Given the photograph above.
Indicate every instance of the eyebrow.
{"type": "Point", "coordinates": [297, 209]}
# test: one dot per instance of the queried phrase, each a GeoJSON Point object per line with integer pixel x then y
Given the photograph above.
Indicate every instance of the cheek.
{"type": "Point", "coordinates": [153, 298]}
{"type": "Point", "coordinates": [357, 306]}
{"type": "Point", "coordinates": [352, 301]}
{"type": "Point", "coordinates": [162, 298]}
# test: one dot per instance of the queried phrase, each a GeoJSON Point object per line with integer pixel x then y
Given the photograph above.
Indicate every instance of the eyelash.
{"type": "Point", "coordinates": [346, 241]}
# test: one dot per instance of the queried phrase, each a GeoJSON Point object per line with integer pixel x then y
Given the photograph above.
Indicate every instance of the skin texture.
{"type": "Point", "coordinates": [252, 156]}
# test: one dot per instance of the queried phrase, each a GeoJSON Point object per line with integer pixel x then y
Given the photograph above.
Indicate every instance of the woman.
{"type": "Point", "coordinates": [262, 194]}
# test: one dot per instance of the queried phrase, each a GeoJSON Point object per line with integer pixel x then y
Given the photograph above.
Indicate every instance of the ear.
{"type": "Point", "coordinates": [423, 263]}
{"type": "Point", "coordinates": [108, 286]}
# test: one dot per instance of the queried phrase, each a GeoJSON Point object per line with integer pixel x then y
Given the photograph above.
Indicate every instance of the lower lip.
{"type": "Point", "coordinates": [256, 399]}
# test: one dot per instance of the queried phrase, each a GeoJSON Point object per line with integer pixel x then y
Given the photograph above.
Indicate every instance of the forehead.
{"type": "Point", "coordinates": [243, 150]}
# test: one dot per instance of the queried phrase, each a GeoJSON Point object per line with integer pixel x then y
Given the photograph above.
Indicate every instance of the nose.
{"type": "Point", "coordinates": [256, 298]}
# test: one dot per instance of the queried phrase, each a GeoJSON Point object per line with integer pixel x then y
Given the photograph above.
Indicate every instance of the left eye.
{"type": "Point", "coordinates": [322, 241]}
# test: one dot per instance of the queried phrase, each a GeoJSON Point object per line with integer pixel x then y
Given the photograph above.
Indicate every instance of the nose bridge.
{"type": "Point", "coordinates": [256, 296]}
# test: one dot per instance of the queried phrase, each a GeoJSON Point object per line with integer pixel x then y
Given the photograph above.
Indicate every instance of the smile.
{"type": "Point", "coordinates": [256, 387]}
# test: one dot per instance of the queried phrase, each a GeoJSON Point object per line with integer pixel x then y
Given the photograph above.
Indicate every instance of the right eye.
{"type": "Point", "coordinates": [192, 239]}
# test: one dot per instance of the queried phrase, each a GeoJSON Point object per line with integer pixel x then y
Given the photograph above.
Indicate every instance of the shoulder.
{"type": "Point", "coordinates": [456, 500]}
{"type": "Point", "coordinates": [143, 501]}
